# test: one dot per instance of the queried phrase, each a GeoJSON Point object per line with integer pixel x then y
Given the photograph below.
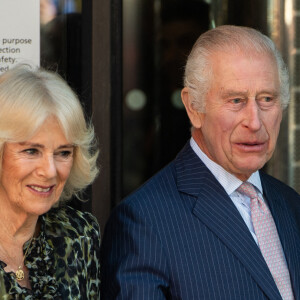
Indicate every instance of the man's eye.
{"type": "Point", "coordinates": [31, 151]}
{"type": "Point", "coordinates": [236, 100]}
{"type": "Point", "coordinates": [267, 99]}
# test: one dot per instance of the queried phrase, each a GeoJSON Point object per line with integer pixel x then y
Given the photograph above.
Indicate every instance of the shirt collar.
{"type": "Point", "coordinates": [229, 182]}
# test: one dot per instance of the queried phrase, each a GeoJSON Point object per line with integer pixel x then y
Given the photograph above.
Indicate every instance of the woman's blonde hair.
{"type": "Point", "coordinates": [27, 97]}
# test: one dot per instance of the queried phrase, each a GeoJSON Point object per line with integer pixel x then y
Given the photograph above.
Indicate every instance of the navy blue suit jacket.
{"type": "Point", "coordinates": [180, 237]}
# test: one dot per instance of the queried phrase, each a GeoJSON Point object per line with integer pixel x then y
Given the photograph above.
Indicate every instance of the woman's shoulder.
{"type": "Point", "coordinates": [67, 221]}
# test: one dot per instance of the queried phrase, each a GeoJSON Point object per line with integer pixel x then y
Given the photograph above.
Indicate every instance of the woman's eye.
{"type": "Point", "coordinates": [31, 151]}
{"type": "Point", "coordinates": [65, 154]}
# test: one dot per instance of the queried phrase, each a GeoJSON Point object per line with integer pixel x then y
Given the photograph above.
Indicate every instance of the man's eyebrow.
{"type": "Point", "coordinates": [233, 93]}
{"type": "Point", "coordinates": [275, 93]}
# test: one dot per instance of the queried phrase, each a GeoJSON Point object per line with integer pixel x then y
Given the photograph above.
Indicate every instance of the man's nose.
{"type": "Point", "coordinates": [47, 167]}
{"type": "Point", "coordinates": [252, 116]}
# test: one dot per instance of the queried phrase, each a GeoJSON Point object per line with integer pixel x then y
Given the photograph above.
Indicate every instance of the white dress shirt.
{"type": "Point", "coordinates": [230, 183]}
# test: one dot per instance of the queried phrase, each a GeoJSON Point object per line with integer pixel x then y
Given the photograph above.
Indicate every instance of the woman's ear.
{"type": "Point", "coordinates": [194, 116]}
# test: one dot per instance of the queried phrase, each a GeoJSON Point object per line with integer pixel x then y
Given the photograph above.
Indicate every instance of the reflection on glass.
{"type": "Point", "coordinates": [135, 99]}
{"type": "Point", "coordinates": [157, 37]}
{"type": "Point", "coordinates": [61, 39]}
{"type": "Point", "coordinates": [48, 11]}
{"type": "Point", "coordinates": [176, 99]}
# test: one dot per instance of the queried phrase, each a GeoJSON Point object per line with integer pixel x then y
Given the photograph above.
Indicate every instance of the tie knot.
{"type": "Point", "coordinates": [247, 189]}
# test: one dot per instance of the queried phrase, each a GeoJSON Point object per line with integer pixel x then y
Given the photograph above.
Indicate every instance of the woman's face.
{"type": "Point", "coordinates": [35, 171]}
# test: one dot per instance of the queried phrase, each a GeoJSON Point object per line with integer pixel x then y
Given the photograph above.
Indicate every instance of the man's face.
{"type": "Point", "coordinates": [241, 124]}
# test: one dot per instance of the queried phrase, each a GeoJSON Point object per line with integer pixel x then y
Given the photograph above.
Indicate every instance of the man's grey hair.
{"type": "Point", "coordinates": [228, 38]}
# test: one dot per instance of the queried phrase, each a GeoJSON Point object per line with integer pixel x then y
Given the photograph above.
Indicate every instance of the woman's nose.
{"type": "Point", "coordinates": [47, 167]}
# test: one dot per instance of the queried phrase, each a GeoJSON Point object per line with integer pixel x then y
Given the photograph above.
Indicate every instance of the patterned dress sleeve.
{"type": "Point", "coordinates": [93, 259]}
{"type": "Point", "coordinates": [75, 240]}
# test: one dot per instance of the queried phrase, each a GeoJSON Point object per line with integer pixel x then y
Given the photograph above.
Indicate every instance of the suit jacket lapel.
{"type": "Point", "coordinates": [216, 210]}
{"type": "Point", "coordinates": [286, 227]}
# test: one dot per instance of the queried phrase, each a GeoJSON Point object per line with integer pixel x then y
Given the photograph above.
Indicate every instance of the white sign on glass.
{"type": "Point", "coordinates": [19, 33]}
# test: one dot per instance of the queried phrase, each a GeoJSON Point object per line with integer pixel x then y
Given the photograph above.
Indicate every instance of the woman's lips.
{"type": "Point", "coordinates": [45, 190]}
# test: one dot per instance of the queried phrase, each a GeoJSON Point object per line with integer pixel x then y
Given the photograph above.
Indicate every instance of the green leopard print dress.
{"type": "Point", "coordinates": [63, 261]}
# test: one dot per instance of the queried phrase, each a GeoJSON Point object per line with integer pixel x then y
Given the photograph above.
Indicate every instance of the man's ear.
{"type": "Point", "coordinates": [194, 116]}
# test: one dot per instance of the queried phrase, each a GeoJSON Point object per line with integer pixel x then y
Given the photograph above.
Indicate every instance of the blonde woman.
{"type": "Point", "coordinates": [48, 250]}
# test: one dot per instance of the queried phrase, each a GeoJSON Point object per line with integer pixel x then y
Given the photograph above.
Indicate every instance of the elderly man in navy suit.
{"type": "Point", "coordinates": [211, 225]}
